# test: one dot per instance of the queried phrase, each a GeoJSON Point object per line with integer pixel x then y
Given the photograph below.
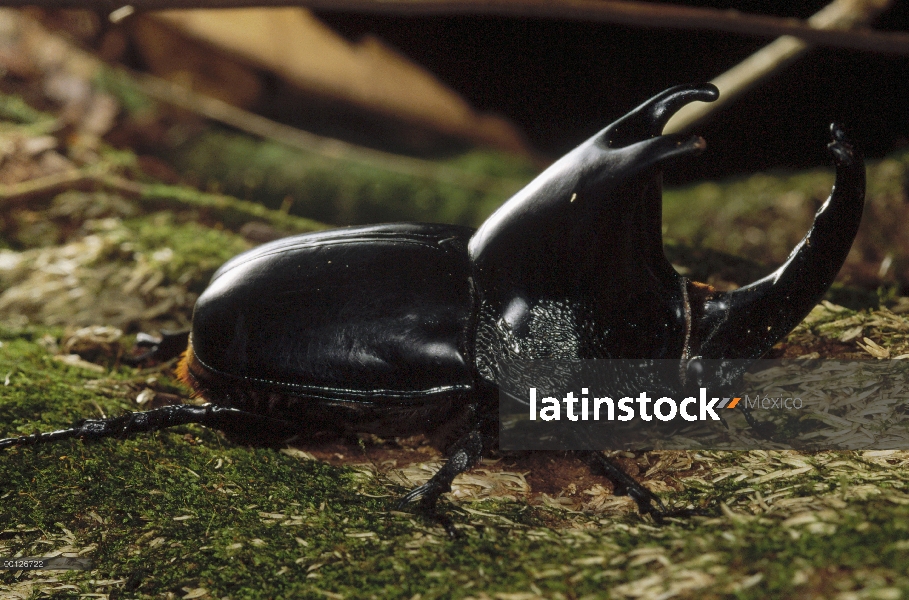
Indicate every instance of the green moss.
{"type": "Point", "coordinates": [347, 188]}
{"type": "Point", "coordinates": [762, 217]}
{"type": "Point", "coordinates": [346, 191]}
{"type": "Point", "coordinates": [761, 200]}
{"type": "Point", "coordinates": [187, 253]}
{"type": "Point", "coordinates": [185, 509]}
{"type": "Point", "coordinates": [122, 86]}
{"type": "Point", "coordinates": [232, 212]}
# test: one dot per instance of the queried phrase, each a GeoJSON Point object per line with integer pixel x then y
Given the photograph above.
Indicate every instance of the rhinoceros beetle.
{"type": "Point", "coordinates": [400, 328]}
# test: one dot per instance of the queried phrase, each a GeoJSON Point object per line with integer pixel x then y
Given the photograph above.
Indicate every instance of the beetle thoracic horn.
{"type": "Point", "coordinates": [591, 191]}
{"type": "Point", "coordinates": [648, 119]}
{"type": "Point", "coordinates": [590, 227]}
{"type": "Point", "coordinates": [746, 322]}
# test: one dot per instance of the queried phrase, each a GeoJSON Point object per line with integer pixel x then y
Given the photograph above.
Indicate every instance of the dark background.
{"type": "Point", "coordinates": [561, 81]}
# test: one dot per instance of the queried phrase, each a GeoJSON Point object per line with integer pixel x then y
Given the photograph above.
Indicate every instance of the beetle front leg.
{"type": "Point", "coordinates": [463, 456]}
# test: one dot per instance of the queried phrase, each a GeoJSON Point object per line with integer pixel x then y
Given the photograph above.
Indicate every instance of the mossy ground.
{"type": "Point", "coordinates": [176, 513]}
{"type": "Point", "coordinates": [186, 513]}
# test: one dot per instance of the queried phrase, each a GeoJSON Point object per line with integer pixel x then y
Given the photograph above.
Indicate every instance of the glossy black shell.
{"type": "Point", "coordinates": [356, 313]}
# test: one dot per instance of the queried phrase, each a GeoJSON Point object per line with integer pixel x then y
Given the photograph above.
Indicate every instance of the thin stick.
{"type": "Point", "coordinates": [624, 12]}
{"type": "Point", "coordinates": [218, 110]}
{"type": "Point", "coordinates": [771, 59]}
{"type": "Point", "coordinates": [19, 194]}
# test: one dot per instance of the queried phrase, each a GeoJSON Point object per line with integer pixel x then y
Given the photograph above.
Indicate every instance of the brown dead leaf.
{"type": "Point", "coordinates": [308, 55]}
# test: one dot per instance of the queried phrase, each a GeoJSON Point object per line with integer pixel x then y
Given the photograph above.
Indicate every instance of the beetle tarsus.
{"type": "Point", "coordinates": [648, 503]}
{"type": "Point", "coordinates": [428, 506]}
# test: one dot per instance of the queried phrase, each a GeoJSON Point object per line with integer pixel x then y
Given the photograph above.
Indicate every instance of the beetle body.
{"type": "Point", "coordinates": [362, 329]}
{"type": "Point", "coordinates": [395, 329]}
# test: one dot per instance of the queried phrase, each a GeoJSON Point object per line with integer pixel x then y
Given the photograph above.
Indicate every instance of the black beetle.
{"type": "Point", "coordinates": [400, 328]}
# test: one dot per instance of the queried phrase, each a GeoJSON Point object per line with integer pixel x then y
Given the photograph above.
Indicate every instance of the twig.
{"type": "Point", "coordinates": [773, 58]}
{"type": "Point", "coordinates": [218, 110]}
{"type": "Point", "coordinates": [21, 193]}
{"type": "Point", "coordinates": [624, 12]}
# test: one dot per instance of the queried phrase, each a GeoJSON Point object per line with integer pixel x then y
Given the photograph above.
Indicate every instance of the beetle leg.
{"type": "Point", "coordinates": [209, 415]}
{"type": "Point", "coordinates": [625, 484]}
{"type": "Point", "coordinates": [464, 455]}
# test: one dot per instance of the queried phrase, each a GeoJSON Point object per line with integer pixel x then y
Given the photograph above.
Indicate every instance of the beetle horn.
{"type": "Point", "coordinates": [591, 190]}
{"type": "Point", "coordinates": [648, 119]}
{"type": "Point", "coordinates": [745, 323]}
{"type": "Point", "coordinates": [589, 227]}
{"type": "Point", "coordinates": [589, 206]}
